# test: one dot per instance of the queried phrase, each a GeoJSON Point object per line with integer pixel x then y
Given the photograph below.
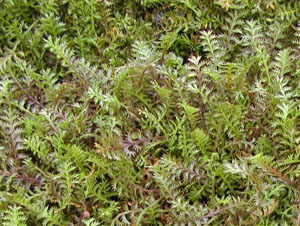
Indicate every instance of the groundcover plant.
{"type": "Point", "coordinates": [149, 112]}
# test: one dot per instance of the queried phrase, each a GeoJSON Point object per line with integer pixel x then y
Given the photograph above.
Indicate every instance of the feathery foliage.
{"type": "Point", "coordinates": [149, 112]}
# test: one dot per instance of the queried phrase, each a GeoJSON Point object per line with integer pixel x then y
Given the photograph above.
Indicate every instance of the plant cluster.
{"type": "Point", "coordinates": [149, 112]}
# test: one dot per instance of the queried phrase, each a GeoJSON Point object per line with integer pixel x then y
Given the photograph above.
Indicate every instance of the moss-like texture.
{"type": "Point", "coordinates": [149, 112]}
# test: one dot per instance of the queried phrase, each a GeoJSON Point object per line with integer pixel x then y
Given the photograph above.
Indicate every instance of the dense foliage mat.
{"type": "Point", "coordinates": [149, 112]}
